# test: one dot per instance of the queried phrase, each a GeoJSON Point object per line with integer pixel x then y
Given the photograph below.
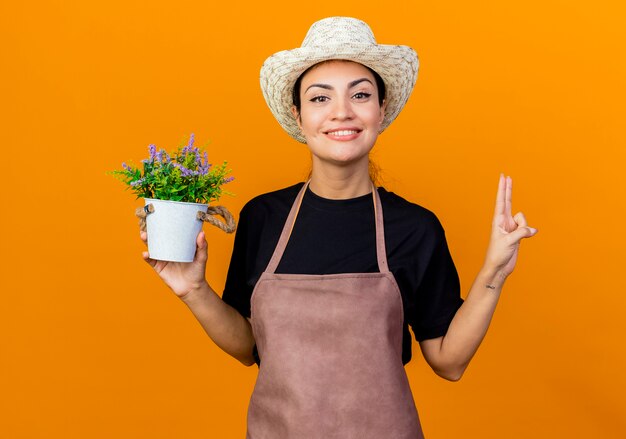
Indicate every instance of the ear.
{"type": "Point", "coordinates": [383, 107]}
{"type": "Point", "coordinates": [295, 113]}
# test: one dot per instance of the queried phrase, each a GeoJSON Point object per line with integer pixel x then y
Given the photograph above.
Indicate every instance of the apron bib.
{"type": "Point", "coordinates": [331, 352]}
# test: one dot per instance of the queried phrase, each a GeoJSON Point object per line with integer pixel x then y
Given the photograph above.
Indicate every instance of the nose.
{"type": "Point", "coordinates": [342, 109]}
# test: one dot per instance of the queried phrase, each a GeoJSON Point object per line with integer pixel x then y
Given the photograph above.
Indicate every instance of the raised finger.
{"type": "Point", "coordinates": [144, 236]}
{"type": "Point", "coordinates": [508, 196]}
{"type": "Point", "coordinates": [500, 197]}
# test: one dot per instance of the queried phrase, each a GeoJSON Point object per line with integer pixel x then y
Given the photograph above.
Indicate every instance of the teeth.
{"type": "Point", "coordinates": [343, 132]}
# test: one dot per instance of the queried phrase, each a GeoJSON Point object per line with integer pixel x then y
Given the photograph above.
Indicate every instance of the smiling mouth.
{"type": "Point", "coordinates": [343, 133]}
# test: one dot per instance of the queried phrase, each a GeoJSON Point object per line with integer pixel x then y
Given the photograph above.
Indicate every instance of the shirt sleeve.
{"type": "Point", "coordinates": [237, 290]}
{"type": "Point", "coordinates": [438, 295]}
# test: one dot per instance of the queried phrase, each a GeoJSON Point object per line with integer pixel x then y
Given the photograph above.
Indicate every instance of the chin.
{"type": "Point", "coordinates": [352, 155]}
{"type": "Point", "coordinates": [338, 152]}
{"type": "Point", "coordinates": [345, 159]}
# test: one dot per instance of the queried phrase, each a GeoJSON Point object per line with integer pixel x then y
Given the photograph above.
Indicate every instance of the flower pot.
{"type": "Point", "coordinates": [172, 229]}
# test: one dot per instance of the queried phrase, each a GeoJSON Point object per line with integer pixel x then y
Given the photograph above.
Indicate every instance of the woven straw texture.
{"type": "Point", "coordinates": [338, 38]}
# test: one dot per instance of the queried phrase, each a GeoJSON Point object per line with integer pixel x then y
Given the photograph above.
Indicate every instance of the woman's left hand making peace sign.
{"type": "Point", "coordinates": [506, 233]}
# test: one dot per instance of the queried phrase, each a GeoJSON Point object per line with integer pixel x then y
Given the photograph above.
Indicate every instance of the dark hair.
{"type": "Point", "coordinates": [380, 85]}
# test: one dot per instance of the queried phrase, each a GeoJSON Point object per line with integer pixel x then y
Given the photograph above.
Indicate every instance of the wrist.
{"type": "Point", "coordinates": [197, 292]}
{"type": "Point", "coordinates": [491, 277]}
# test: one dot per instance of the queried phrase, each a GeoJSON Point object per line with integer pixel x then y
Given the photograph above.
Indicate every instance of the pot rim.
{"type": "Point", "coordinates": [175, 202]}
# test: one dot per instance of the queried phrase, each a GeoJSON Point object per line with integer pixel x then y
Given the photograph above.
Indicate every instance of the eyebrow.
{"type": "Point", "coordinates": [329, 87]}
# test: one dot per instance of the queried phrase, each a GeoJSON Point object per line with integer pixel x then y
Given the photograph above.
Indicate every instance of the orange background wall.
{"type": "Point", "coordinates": [93, 345]}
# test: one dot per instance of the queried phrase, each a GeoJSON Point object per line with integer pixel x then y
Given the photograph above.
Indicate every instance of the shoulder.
{"type": "Point", "coordinates": [399, 212]}
{"type": "Point", "coordinates": [270, 204]}
{"type": "Point", "coordinates": [262, 218]}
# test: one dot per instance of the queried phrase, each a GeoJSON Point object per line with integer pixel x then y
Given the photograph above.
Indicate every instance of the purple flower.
{"type": "Point", "coordinates": [184, 171]}
{"type": "Point", "coordinates": [189, 147]}
{"type": "Point", "coordinates": [125, 166]}
{"type": "Point", "coordinates": [152, 149]}
{"type": "Point", "coordinates": [137, 182]}
{"type": "Point", "coordinates": [228, 179]}
{"type": "Point", "coordinates": [204, 167]}
{"type": "Point", "coordinates": [159, 155]}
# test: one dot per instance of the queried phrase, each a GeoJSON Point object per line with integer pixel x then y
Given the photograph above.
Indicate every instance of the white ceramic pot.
{"type": "Point", "coordinates": [172, 229]}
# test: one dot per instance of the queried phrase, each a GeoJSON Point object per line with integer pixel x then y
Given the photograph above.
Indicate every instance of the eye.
{"type": "Point", "coordinates": [320, 98]}
{"type": "Point", "coordinates": [362, 95]}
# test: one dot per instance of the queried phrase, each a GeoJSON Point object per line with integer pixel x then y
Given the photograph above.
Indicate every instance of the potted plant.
{"type": "Point", "coordinates": [177, 190]}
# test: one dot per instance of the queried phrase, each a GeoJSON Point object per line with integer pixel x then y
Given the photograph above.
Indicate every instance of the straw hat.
{"type": "Point", "coordinates": [338, 38]}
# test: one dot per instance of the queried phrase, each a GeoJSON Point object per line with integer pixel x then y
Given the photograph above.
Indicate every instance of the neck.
{"type": "Point", "coordinates": [340, 182]}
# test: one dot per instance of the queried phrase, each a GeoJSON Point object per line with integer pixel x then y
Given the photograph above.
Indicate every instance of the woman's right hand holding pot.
{"type": "Point", "coordinates": [181, 277]}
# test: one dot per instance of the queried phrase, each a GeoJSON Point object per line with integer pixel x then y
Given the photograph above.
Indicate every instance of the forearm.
{"type": "Point", "coordinates": [222, 323]}
{"type": "Point", "coordinates": [471, 321]}
{"type": "Point", "coordinates": [449, 355]}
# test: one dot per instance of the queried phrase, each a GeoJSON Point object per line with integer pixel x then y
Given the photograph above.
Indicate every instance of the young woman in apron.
{"type": "Point", "coordinates": [327, 275]}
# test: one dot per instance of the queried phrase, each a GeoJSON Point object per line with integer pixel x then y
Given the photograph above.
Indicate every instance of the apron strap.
{"type": "Point", "coordinates": [286, 233]}
{"type": "Point", "coordinates": [381, 252]}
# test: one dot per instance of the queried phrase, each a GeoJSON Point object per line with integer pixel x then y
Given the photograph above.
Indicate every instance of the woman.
{"type": "Point", "coordinates": [322, 286]}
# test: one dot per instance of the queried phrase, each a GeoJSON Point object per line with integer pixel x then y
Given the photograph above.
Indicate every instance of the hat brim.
{"type": "Point", "coordinates": [396, 65]}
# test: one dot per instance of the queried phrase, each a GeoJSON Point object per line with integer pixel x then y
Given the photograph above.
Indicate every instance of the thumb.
{"type": "Point", "coordinates": [520, 219]}
{"type": "Point", "coordinates": [524, 231]}
{"type": "Point", "coordinates": [520, 233]}
{"type": "Point", "coordinates": [201, 247]}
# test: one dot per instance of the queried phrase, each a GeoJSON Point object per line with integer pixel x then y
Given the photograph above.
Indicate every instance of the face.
{"type": "Point", "coordinates": [340, 115]}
